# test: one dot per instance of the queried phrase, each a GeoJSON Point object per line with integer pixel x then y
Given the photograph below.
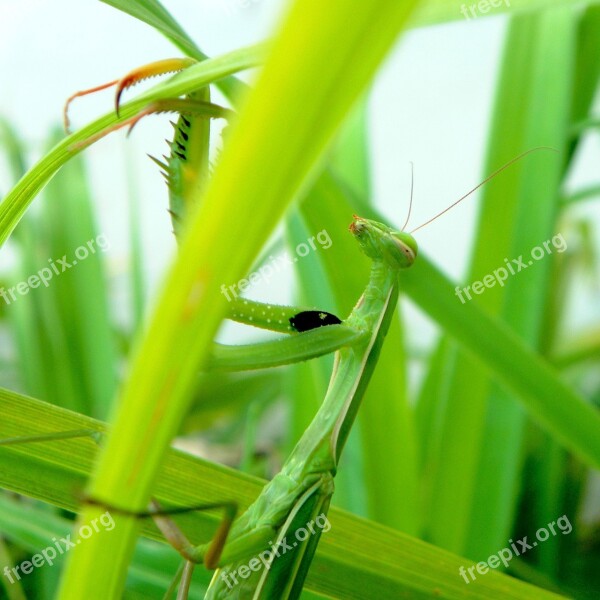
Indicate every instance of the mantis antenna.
{"type": "Point", "coordinates": [412, 187]}
{"type": "Point", "coordinates": [488, 178]}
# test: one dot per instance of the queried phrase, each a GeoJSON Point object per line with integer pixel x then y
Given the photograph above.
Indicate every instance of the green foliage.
{"type": "Point", "coordinates": [495, 438]}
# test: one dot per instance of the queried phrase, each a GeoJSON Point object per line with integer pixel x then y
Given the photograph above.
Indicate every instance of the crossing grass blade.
{"type": "Point", "coordinates": [356, 558]}
{"type": "Point", "coordinates": [571, 420]}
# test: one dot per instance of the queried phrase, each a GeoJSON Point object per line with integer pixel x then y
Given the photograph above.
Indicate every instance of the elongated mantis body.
{"type": "Point", "coordinates": [301, 492]}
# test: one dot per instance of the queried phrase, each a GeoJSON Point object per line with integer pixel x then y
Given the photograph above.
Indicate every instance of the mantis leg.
{"type": "Point", "coordinates": [304, 486]}
{"type": "Point", "coordinates": [161, 67]}
{"type": "Point", "coordinates": [186, 170]}
{"type": "Point", "coordinates": [283, 351]}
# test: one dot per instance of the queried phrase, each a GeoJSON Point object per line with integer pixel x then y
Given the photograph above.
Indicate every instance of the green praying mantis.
{"type": "Point", "coordinates": [251, 555]}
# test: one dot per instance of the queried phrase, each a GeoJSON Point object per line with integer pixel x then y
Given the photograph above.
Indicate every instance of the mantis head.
{"type": "Point", "coordinates": [380, 242]}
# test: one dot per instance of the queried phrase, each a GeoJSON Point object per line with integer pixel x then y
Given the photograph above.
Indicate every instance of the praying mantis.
{"type": "Point", "coordinates": [300, 494]}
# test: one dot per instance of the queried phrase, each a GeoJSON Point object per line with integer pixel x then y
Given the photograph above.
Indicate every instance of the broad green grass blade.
{"type": "Point", "coordinates": [481, 452]}
{"type": "Point", "coordinates": [497, 494]}
{"type": "Point", "coordinates": [356, 559]}
{"type": "Point", "coordinates": [281, 134]}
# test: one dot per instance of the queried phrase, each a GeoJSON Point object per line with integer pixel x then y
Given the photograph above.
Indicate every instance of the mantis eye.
{"type": "Point", "coordinates": [406, 244]}
{"type": "Point", "coordinates": [311, 319]}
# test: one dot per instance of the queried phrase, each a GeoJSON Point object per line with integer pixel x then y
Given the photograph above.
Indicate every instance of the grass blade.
{"type": "Point", "coordinates": [356, 559]}
{"type": "Point", "coordinates": [550, 402]}
{"type": "Point", "coordinates": [281, 134]}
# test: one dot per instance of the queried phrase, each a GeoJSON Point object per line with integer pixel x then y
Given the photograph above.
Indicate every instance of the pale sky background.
{"type": "Point", "coordinates": [430, 105]}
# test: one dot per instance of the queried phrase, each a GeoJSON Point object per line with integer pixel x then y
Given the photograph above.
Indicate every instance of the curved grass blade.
{"type": "Point", "coordinates": [16, 202]}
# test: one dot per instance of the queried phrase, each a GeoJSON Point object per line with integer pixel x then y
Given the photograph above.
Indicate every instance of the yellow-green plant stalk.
{"type": "Point", "coordinates": [320, 61]}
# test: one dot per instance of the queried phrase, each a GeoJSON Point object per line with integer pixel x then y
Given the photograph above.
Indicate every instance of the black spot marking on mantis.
{"type": "Point", "coordinates": [187, 123]}
{"type": "Point", "coordinates": [181, 155]}
{"type": "Point", "coordinates": [311, 319]}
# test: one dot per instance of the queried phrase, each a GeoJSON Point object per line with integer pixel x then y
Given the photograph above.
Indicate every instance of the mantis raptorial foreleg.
{"type": "Point", "coordinates": [161, 67]}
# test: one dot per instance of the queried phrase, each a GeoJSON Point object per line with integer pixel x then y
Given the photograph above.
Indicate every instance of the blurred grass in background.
{"type": "Point", "coordinates": [452, 458]}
